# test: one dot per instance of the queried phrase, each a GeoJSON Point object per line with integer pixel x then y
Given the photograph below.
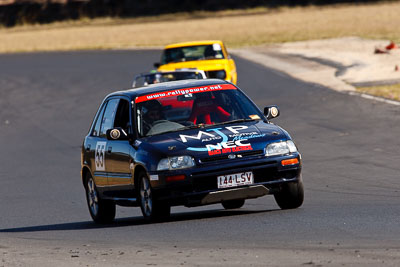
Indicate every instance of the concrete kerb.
{"type": "Point", "coordinates": [297, 68]}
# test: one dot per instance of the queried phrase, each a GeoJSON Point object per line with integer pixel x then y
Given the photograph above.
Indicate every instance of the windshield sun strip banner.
{"type": "Point", "coordinates": [185, 91]}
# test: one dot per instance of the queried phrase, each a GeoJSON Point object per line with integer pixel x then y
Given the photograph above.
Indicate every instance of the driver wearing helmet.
{"type": "Point", "coordinates": [153, 114]}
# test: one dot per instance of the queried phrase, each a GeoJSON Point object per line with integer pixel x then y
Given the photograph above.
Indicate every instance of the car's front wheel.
{"type": "Point", "coordinates": [291, 196]}
{"type": "Point", "coordinates": [233, 204]}
{"type": "Point", "coordinates": [151, 208]}
{"type": "Point", "coordinates": [101, 211]}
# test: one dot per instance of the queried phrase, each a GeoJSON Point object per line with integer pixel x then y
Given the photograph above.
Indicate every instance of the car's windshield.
{"type": "Point", "coordinates": [160, 77]}
{"type": "Point", "coordinates": [189, 53]}
{"type": "Point", "coordinates": [192, 107]}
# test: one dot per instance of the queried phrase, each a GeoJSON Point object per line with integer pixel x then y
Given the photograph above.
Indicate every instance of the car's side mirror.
{"type": "Point", "coordinates": [157, 65]}
{"type": "Point", "coordinates": [116, 133]}
{"type": "Point", "coordinates": [271, 112]}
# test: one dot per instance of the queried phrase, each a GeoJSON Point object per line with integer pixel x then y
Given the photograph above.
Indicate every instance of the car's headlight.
{"type": "Point", "coordinates": [174, 163]}
{"type": "Point", "coordinates": [280, 148]}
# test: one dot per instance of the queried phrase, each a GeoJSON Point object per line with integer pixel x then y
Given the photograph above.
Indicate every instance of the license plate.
{"type": "Point", "coordinates": [236, 179]}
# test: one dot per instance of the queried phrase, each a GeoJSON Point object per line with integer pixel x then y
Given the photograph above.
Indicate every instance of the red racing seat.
{"type": "Point", "coordinates": [207, 111]}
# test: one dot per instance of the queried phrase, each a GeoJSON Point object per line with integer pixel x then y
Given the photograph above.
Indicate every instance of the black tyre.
{"type": "Point", "coordinates": [152, 209]}
{"type": "Point", "coordinates": [233, 204]}
{"type": "Point", "coordinates": [101, 211]}
{"type": "Point", "coordinates": [291, 196]}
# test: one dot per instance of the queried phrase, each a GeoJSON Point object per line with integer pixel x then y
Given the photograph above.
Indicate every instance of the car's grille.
{"type": "Point", "coordinates": [238, 156]}
{"type": "Point", "coordinates": [217, 74]}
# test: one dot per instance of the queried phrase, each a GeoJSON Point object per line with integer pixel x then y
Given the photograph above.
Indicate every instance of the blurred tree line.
{"type": "Point", "coordinates": [13, 12]}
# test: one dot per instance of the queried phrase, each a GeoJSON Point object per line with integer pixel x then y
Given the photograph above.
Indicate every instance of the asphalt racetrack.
{"type": "Point", "coordinates": [351, 165]}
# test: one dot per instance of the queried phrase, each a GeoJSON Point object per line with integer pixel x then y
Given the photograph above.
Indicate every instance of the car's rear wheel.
{"type": "Point", "coordinates": [101, 211]}
{"type": "Point", "coordinates": [233, 204]}
{"type": "Point", "coordinates": [151, 208]}
{"type": "Point", "coordinates": [291, 196]}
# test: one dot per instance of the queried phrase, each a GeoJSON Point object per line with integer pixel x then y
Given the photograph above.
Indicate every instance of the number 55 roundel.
{"type": "Point", "coordinates": [99, 156]}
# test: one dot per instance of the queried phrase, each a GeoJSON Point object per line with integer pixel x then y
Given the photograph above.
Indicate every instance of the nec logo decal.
{"type": "Point", "coordinates": [228, 147]}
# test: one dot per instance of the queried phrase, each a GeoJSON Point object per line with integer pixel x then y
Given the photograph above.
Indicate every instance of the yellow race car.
{"type": "Point", "coordinates": [209, 56]}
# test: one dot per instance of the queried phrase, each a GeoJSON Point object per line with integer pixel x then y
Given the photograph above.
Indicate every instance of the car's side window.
{"type": "Point", "coordinates": [122, 116]}
{"type": "Point", "coordinates": [96, 128]}
{"type": "Point", "coordinates": [108, 117]}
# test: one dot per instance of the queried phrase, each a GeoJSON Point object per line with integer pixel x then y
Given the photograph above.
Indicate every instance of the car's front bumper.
{"type": "Point", "coordinates": [200, 185]}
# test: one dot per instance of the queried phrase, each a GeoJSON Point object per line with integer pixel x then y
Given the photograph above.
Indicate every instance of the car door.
{"type": "Point", "coordinates": [96, 143]}
{"type": "Point", "coordinates": [117, 153]}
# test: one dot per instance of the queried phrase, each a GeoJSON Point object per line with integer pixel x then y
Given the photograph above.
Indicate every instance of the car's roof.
{"type": "Point", "coordinates": [165, 86]}
{"type": "Point", "coordinates": [193, 43]}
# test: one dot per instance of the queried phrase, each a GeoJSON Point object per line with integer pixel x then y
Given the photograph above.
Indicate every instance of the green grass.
{"type": "Point", "coordinates": [387, 91]}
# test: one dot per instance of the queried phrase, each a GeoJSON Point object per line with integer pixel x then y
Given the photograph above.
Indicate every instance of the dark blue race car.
{"type": "Point", "coordinates": [191, 143]}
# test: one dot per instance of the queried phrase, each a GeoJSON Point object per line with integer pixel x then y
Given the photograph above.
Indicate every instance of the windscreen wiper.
{"type": "Point", "coordinates": [234, 121]}
{"type": "Point", "coordinates": [191, 127]}
{"type": "Point", "coordinates": [180, 129]}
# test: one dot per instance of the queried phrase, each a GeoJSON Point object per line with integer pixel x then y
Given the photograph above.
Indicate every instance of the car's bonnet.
{"type": "Point", "coordinates": [221, 139]}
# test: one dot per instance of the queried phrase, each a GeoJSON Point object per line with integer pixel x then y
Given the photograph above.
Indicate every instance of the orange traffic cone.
{"type": "Point", "coordinates": [391, 46]}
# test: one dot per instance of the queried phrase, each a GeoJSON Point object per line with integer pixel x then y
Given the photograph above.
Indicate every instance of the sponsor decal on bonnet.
{"type": "Point", "coordinates": [238, 143]}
